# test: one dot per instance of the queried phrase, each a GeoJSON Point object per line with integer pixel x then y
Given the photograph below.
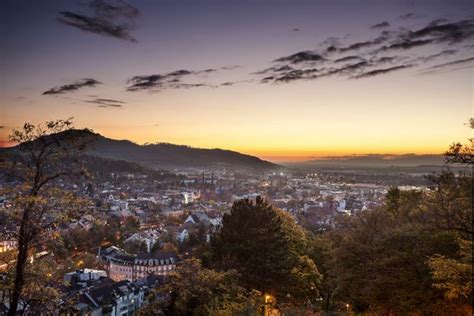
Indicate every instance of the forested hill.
{"type": "Point", "coordinates": [169, 156]}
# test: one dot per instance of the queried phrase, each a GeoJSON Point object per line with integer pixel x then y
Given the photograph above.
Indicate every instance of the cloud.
{"type": "Point", "coordinates": [385, 35]}
{"type": "Point", "coordinates": [87, 82]}
{"type": "Point", "coordinates": [409, 16]}
{"type": "Point", "coordinates": [231, 67]}
{"type": "Point", "coordinates": [295, 29]}
{"type": "Point", "coordinates": [452, 32]}
{"type": "Point", "coordinates": [297, 74]}
{"type": "Point", "coordinates": [454, 63]}
{"type": "Point", "coordinates": [377, 72]}
{"type": "Point", "coordinates": [407, 44]}
{"type": "Point", "coordinates": [227, 84]}
{"type": "Point", "coordinates": [173, 80]}
{"type": "Point", "coordinates": [438, 55]}
{"type": "Point", "coordinates": [348, 58]}
{"type": "Point", "coordinates": [391, 50]}
{"type": "Point", "coordinates": [380, 25]}
{"type": "Point", "coordinates": [301, 57]}
{"type": "Point", "coordinates": [464, 63]}
{"type": "Point", "coordinates": [105, 103]}
{"type": "Point", "coordinates": [110, 18]}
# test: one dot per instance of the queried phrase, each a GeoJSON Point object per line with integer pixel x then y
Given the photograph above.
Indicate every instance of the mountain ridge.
{"type": "Point", "coordinates": [166, 155]}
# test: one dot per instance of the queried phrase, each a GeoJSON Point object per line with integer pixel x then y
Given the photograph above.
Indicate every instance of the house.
{"type": "Point", "coordinates": [182, 235]}
{"type": "Point", "coordinates": [84, 275]}
{"type": "Point", "coordinates": [107, 297]}
{"type": "Point", "coordinates": [197, 218]}
{"type": "Point", "coordinates": [150, 237]}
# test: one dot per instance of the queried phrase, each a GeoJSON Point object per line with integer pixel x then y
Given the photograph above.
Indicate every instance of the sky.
{"type": "Point", "coordinates": [282, 80]}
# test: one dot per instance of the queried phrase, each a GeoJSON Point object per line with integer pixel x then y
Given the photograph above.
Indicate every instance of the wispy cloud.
{"type": "Point", "coordinates": [391, 50]}
{"type": "Point", "coordinates": [409, 16]}
{"type": "Point", "coordinates": [381, 71]}
{"type": "Point", "coordinates": [459, 64]}
{"type": "Point", "coordinates": [71, 87]}
{"type": "Point", "coordinates": [110, 18]}
{"type": "Point", "coordinates": [380, 25]}
{"type": "Point", "coordinates": [107, 103]}
{"type": "Point", "coordinates": [175, 80]}
{"type": "Point", "coordinates": [301, 57]}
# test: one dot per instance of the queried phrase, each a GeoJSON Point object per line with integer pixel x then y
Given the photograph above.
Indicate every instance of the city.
{"type": "Point", "coordinates": [208, 157]}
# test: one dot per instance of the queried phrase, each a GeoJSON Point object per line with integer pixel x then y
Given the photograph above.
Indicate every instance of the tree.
{"type": "Point", "coordinates": [45, 154]}
{"type": "Point", "coordinates": [268, 250]}
{"type": "Point", "coordinates": [379, 257]}
{"type": "Point", "coordinates": [454, 276]}
{"type": "Point", "coordinates": [450, 207]}
{"type": "Point", "coordinates": [194, 290]}
{"type": "Point", "coordinates": [462, 154]}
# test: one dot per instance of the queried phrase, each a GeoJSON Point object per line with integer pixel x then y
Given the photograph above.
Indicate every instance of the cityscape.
{"type": "Point", "coordinates": [236, 158]}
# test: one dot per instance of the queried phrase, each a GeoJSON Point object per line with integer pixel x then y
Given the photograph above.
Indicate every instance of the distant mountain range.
{"type": "Point", "coordinates": [169, 156]}
{"type": "Point", "coordinates": [377, 161]}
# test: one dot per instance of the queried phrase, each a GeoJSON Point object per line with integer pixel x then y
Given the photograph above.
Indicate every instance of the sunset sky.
{"type": "Point", "coordinates": [283, 80]}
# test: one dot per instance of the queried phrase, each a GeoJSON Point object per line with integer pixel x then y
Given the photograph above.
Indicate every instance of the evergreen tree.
{"type": "Point", "coordinates": [268, 250]}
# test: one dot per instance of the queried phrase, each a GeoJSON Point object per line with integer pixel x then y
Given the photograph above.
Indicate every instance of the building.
{"type": "Point", "coordinates": [106, 297]}
{"type": "Point", "coordinates": [149, 237]}
{"type": "Point", "coordinates": [84, 275]}
{"type": "Point", "coordinates": [124, 266]}
{"type": "Point", "coordinates": [7, 245]}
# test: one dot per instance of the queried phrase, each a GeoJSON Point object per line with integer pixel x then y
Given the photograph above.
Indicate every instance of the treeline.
{"type": "Point", "coordinates": [413, 255]}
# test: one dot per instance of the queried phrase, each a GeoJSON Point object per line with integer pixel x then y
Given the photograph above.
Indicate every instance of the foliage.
{"type": "Point", "coordinates": [454, 276]}
{"type": "Point", "coordinates": [194, 290]}
{"type": "Point", "coordinates": [462, 153]}
{"type": "Point", "coordinates": [268, 250]}
{"type": "Point", "coordinates": [379, 258]}
{"type": "Point", "coordinates": [46, 154]}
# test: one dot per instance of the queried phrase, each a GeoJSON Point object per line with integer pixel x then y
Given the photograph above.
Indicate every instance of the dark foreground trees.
{"type": "Point", "coordinates": [195, 290]}
{"type": "Point", "coordinates": [268, 250]}
{"type": "Point", "coordinates": [45, 154]}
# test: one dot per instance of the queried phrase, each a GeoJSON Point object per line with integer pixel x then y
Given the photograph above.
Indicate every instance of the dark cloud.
{"type": "Point", "coordinates": [384, 59]}
{"type": "Point", "coordinates": [381, 71]}
{"type": "Point", "coordinates": [380, 25]}
{"type": "Point", "coordinates": [231, 67]}
{"type": "Point", "coordinates": [444, 53]}
{"type": "Point", "coordinates": [407, 44]}
{"type": "Point", "coordinates": [453, 32]}
{"type": "Point", "coordinates": [459, 62]}
{"type": "Point", "coordinates": [409, 16]}
{"type": "Point", "coordinates": [301, 57]}
{"type": "Point", "coordinates": [173, 80]}
{"type": "Point", "coordinates": [295, 29]}
{"type": "Point", "coordinates": [108, 10]}
{"type": "Point", "coordinates": [390, 51]}
{"type": "Point", "coordinates": [110, 18]}
{"type": "Point", "coordinates": [297, 75]}
{"type": "Point", "coordinates": [88, 82]}
{"type": "Point", "coordinates": [348, 58]}
{"type": "Point", "coordinates": [105, 103]}
{"type": "Point", "coordinates": [384, 36]}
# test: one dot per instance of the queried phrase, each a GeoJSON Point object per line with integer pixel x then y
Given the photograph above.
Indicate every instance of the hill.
{"type": "Point", "coordinates": [168, 156]}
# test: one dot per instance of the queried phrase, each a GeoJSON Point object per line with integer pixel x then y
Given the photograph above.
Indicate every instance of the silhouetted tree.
{"type": "Point", "coordinates": [268, 250]}
{"type": "Point", "coordinates": [44, 155]}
